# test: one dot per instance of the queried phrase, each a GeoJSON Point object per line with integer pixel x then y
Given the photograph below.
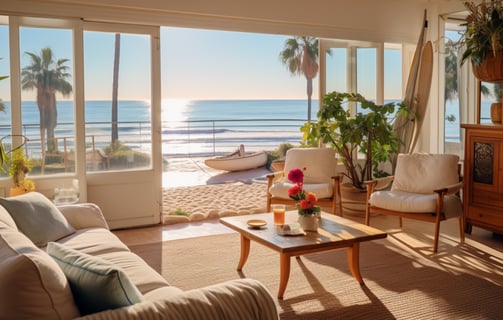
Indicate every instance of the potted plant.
{"type": "Point", "coordinates": [369, 133]}
{"type": "Point", "coordinates": [482, 39]}
{"type": "Point", "coordinates": [17, 165]}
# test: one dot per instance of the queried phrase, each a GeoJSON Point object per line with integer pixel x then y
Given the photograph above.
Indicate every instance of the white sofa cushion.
{"type": "Point", "coordinates": [423, 173]}
{"type": "Point", "coordinates": [32, 286]}
{"type": "Point", "coordinates": [321, 190]}
{"type": "Point", "coordinates": [139, 272]}
{"type": "Point", "coordinates": [6, 220]}
{"type": "Point", "coordinates": [96, 284]}
{"type": "Point", "coordinates": [94, 241]}
{"type": "Point", "coordinates": [320, 164]}
{"type": "Point", "coordinates": [106, 245]}
{"type": "Point", "coordinates": [37, 217]}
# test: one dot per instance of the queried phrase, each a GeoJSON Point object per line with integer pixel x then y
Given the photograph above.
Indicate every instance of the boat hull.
{"type": "Point", "coordinates": [238, 163]}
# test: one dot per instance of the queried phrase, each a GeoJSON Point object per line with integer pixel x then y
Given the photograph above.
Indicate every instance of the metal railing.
{"type": "Point", "coordinates": [179, 138]}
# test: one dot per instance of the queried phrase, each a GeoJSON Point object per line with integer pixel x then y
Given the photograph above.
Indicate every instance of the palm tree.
{"type": "Point", "coordinates": [115, 88]}
{"type": "Point", "coordinates": [2, 106]}
{"type": "Point", "coordinates": [47, 76]}
{"type": "Point", "coordinates": [300, 55]}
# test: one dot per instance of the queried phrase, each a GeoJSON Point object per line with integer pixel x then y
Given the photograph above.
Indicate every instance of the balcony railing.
{"type": "Point", "coordinates": [179, 139]}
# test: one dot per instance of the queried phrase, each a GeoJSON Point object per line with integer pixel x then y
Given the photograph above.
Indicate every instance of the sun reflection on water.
{"type": "Point", "coordinates": [174, 110]}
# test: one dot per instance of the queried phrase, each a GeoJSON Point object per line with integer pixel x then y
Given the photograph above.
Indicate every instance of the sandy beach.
{"type": "Point", "coordinates": [205, 193]}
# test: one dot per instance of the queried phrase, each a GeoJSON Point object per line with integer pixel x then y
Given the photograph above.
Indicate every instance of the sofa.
{"type": "Point", "coordinates": [63, 262]}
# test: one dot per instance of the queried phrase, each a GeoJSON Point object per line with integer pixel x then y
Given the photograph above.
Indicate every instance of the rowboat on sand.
{"type": "Point", "coordinates": [238, 161]}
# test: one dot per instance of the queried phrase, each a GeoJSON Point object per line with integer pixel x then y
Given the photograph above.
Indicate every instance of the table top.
{"type": "Point", "coordinates": [334, 232]}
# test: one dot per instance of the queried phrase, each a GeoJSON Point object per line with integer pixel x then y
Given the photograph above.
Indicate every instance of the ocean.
{"type": "Point", "coordinates": [193, 127]}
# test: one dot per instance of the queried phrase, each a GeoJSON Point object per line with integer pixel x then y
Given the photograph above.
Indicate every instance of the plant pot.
{"type": "Point", "coordinates": [309, 222]}
{"type": "Point", "coordinates": [17, 191]}
{"type": "Point", "coordinates": [353, 199]}
{"type": "Point", "coordinates": [491, 69]}
{"type": "Point", "coordinates": [277, 165]}
{"type": "Point", "coordinates": [496, 112]}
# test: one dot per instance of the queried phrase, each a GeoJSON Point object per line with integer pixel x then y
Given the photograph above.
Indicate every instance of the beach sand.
{"type": "Point", "coordinates": [205, 193]}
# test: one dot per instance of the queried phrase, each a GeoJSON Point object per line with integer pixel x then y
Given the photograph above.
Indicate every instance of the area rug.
{"type": "Point", "coordinates": [402, 281]}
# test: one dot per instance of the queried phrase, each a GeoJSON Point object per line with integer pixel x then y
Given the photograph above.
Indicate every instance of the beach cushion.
{"type": "Point", "coordinates": [32, 286]}
{"type": "Point", "coordinates": [423, 173]}
{"type": "Point", "coordinates": [321, 190]}
{"type": "Point", "coordinates": [37, 217]}
{"type": "Point", "coordinates": [320, 163]}
{"type": "Point", "coordinates": [96, 284]}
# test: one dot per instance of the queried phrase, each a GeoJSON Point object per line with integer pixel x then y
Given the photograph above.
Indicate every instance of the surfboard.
{"type": "Point", "coordinates": [404, 126]}
{"type": "Point", "coordinates": [423, 92]}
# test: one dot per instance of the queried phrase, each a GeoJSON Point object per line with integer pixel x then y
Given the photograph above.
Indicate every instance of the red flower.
{"type": "Point", "coordinates": [294, 190]}
{"type": "Point", "coordinates": [306, 201]}
{"type": "Point", "coordinates": [304, 204]}
{"type": "Point", "coordinates": [311, 198]}
{"type": "Point", "coordinates": [296, 176]}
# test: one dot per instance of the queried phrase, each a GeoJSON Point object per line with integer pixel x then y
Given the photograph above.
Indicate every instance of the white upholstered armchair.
{"type": "Point", "coordinates": [320, 177]}
{"type": "Point", "coordinates": [425, 187]}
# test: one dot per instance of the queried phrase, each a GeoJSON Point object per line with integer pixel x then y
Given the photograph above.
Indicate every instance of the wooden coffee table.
{"type": "Point", "coordinates": [334, 233]}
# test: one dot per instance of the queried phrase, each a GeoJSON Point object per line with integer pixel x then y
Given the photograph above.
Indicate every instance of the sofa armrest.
{"type": "Point", "coordinates": [84, 215]}
{"type": "Point", "coordinates": [244, 299]}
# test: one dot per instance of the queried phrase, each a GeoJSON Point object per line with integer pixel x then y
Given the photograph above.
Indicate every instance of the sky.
{"type": "Point", "coordinates": [195, 64]}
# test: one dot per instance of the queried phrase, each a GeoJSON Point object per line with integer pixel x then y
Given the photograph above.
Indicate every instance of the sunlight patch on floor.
{"type": "Point", "coordinates": [194, 229]}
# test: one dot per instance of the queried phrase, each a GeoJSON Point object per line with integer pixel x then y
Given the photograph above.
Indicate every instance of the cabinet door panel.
{"type": "Point", "coordinates": [485, 171]}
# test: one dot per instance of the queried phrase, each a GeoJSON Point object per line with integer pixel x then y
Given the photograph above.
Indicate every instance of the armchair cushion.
{"type": "Point", "coordinates": [320, 163]}
{"type": "Point", "coordinates": [322, 190]}
{"type": "Point", "coordinates": [415, 202]}
{"type": "Point", "coordinates": [423, 173]}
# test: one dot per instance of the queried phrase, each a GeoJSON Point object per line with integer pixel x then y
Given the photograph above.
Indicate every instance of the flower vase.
{"type": "Point", "coordinates": [309, 222]}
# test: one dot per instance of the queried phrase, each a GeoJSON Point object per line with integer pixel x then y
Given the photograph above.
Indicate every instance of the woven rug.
{"type": "Point", "coordinates": [403, 279]}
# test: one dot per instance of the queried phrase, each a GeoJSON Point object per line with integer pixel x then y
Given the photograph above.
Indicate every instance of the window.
{"type": "Point", "coordinates": [117, 100]}
{"type": "Point", "coordinates": [46, 60]}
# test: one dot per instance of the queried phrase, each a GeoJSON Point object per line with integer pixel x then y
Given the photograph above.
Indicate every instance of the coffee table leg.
{"type": "Point", "coordinates": [245, 251]}
{"type": "Point", "coordinates": [354, 261]}
{"type": "Point", "coordinates": [284, 273]}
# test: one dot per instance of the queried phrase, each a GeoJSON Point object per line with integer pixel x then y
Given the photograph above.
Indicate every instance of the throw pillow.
{"type": "Point", "coordinates": [96, 284]}
{"type": "Point", "coordinates": [37, 217]}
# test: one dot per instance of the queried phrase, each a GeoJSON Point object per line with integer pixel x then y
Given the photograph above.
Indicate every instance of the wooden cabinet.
{"type": "Point", "coordinates": [483, 177]}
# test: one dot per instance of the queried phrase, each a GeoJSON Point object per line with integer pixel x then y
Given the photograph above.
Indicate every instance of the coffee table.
{"type": "Point", "coordinates": [334, 233]}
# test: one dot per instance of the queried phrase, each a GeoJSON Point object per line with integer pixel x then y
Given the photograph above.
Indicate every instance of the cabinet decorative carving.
{"type": "Point", "coordinates": [483, 177]}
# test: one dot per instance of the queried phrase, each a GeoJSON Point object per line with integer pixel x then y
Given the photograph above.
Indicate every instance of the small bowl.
{"type": "Point", "coordinates": [256, 223]}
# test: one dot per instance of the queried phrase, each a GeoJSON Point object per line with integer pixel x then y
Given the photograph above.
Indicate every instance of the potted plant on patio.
{"type": "Point", "coordinates": [482, 40]}
{"type": "Point", "coordinates": [363, 142]}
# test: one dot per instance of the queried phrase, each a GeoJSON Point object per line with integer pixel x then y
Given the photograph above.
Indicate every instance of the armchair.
{"type": "Point", "coordinates": [320, 177]}
{"type": "Point", "coordinates": [425, 187]}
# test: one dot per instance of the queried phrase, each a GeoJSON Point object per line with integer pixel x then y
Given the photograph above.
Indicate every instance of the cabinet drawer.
{"type": "Point", "coordinates": [485, 216]}
{"type": "Point", "coordinates": [486, 198]}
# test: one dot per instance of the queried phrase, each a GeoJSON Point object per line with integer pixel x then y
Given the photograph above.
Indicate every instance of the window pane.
{"type": "Point", "coordinates": [47, 98]}
{"type": "Point", "coordinates": [452, 114]}
{"type": "Point", "coordinates": [392, 75]}
{"type": "Point", "coordinates": [366, 73]}
{"type": "Point", "coordinates": [336, 74]}
{"type": "Point", "coordinates": [5, 119]}
{"type": "Point", "coordinates": [118, 135]}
